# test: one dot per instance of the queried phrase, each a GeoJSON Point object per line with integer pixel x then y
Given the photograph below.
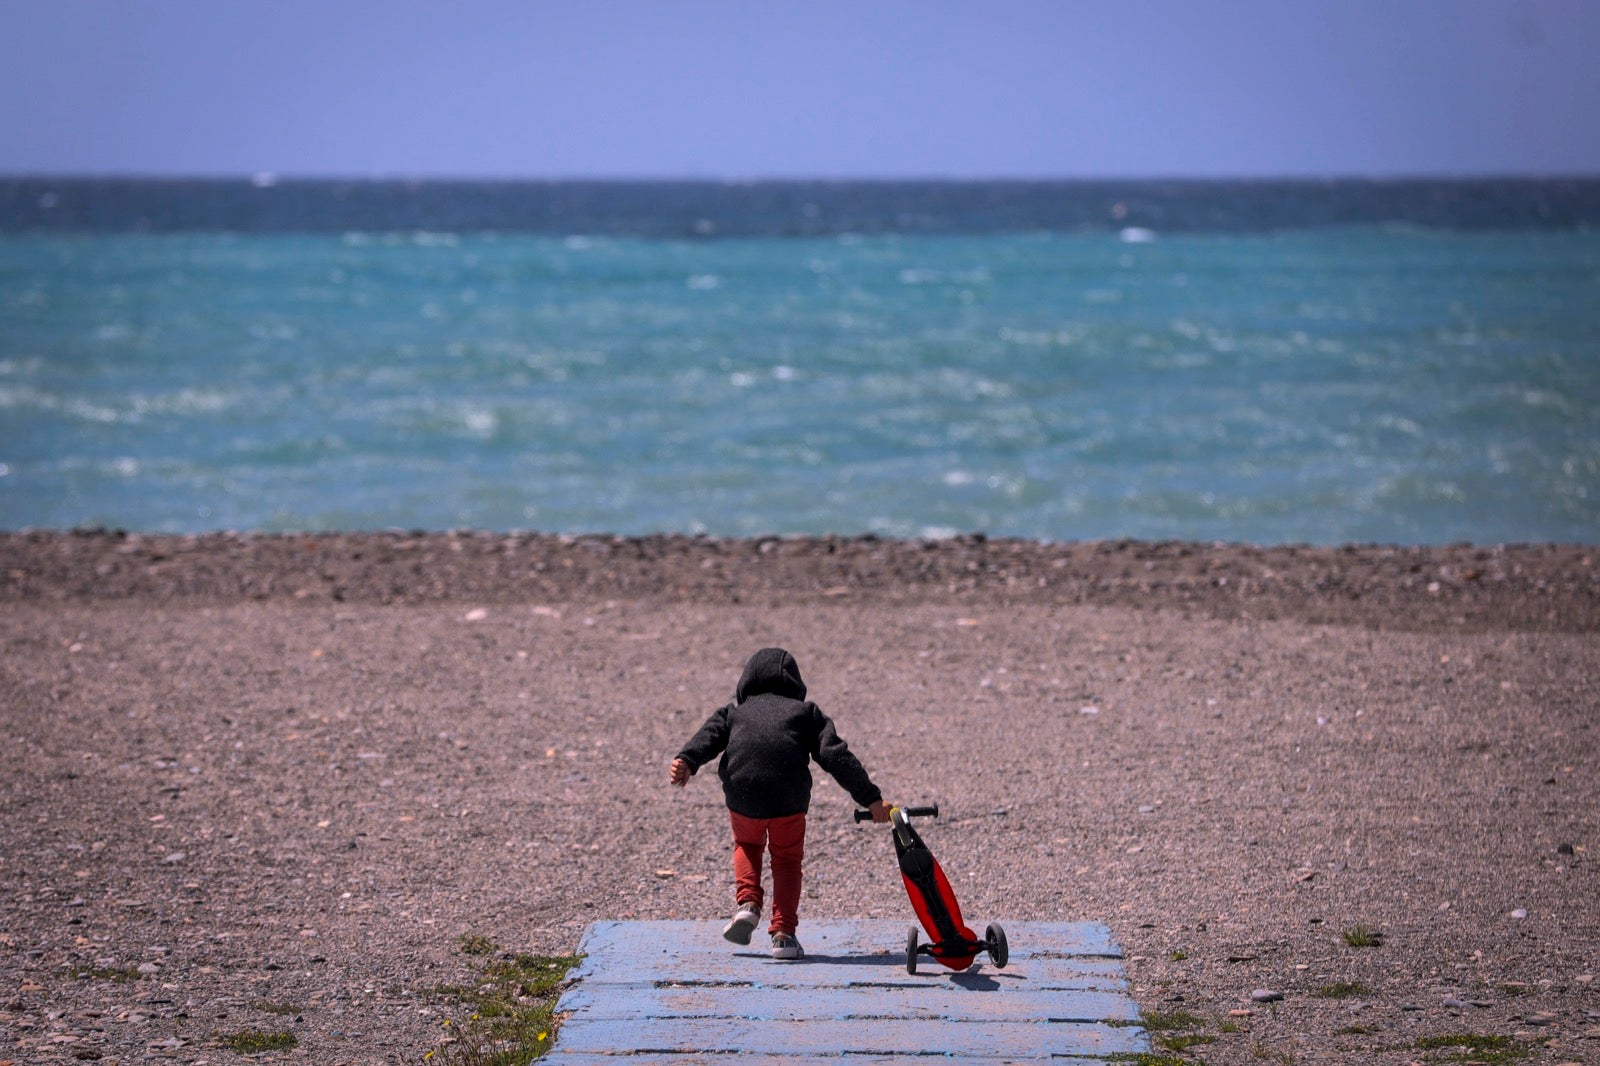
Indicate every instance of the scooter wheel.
{"type": "Point", "coordinates": [911, 951]}
{"type": "Point", "coordinates": [997, 945]}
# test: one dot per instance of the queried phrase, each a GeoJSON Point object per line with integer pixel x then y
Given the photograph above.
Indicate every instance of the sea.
{"type": "Point", "coordinates": [1320, 362]}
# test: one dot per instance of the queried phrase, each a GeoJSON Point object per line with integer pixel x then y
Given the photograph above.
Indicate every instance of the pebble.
{"type": "Point", "coordinates": [1519, 914]}
{"type": "Point", "coordinates": [1542, 1018]}
{"type": "Point", "coordinates": [1455, 1004]}
{"type": "Point", "coordinates": [1266, 995]}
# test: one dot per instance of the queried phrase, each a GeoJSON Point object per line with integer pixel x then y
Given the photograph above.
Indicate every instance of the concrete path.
{"type": "Point", "coordinates": [659, 992]}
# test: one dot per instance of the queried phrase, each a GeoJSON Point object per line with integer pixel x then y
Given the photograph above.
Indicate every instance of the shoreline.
{"type": "Point", "coordinates": [1553, 587]}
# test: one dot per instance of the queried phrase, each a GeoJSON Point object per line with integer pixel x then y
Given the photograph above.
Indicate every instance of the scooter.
{"type": "Point", "coordinates": [953, 944]}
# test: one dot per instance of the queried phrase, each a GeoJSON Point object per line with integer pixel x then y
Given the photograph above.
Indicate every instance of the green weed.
{"type": "Point", "coordinates": [1486, 1050]}
{"type": "Point", "coordinates": [512, 1009]}
{"type": "Point", "coordinates": [476, 945]}
{"type": "Point", "coordinates": [1341, 990]}
{"type": "Point", "coordinates": [1361, 936]}
{"type": "Point", "coordinates": [254, 1041]}
{"type": "Point", "coordinates": [106, 973]}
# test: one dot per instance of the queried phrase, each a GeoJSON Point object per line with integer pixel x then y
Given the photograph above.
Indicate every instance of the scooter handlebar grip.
{"type": "Point", "coordinates": [930, 811]}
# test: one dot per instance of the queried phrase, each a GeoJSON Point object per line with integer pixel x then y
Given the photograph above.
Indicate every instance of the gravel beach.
{"type": "Point", "coordinates": [272, 782]}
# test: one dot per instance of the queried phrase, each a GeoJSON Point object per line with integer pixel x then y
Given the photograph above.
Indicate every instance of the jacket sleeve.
{"type": "Point", "coordinates": [709, 742]}
{"type": "Point", "coordinates": [835, 756]}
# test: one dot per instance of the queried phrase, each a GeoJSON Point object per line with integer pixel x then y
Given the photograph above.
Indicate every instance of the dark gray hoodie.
{"type": "Point", "coordinates": [767, 738]}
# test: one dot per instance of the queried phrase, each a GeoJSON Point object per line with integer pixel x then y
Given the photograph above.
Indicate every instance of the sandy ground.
{"type": "Point", "coordinates": [271, 782]}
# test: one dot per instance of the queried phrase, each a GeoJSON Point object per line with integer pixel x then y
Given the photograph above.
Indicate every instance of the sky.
{"type": "Point", "coordinates": [751, 89]}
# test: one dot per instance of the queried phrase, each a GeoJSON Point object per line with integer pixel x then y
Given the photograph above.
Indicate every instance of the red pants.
{"type": "Point", "coordinates": [786, 838]}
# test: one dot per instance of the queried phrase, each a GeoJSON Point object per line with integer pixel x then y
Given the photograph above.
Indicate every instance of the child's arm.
{"type": "Point", "coordinates": [704, 746]}
{"type": "Point", "coordinates": [835, 756]}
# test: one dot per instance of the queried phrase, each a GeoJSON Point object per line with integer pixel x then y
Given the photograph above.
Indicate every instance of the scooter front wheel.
{"type": "Point", "coordinates": [911, 951]}
{"type": "Point", "coordinates": [996, 945]}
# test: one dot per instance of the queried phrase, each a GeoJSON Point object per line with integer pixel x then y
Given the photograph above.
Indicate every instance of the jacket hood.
{"type": "Point", "coordinates": [771, 670]}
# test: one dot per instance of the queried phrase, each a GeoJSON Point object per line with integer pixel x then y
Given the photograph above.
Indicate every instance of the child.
{"type": "Point", "coordinates": [767, 738]}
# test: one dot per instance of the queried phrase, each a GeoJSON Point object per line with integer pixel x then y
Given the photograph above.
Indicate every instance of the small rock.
{"type": "Point", "coordinates": [1240, 1012]}
{"type": "Point", "coordinates": [1542, 1018]}
{"type": "Point", "coordinates": [149, 969]}
{"type": "Point", "coordinates": [477, 614]}
{"type": "Point", "coordinates": [1265, 995]}
{"type": "Point", "coordinates": [176, 856]}
{"type": "Point", "coordinates": [1519, 913]}
{"type": "Point", "coordinates": [1455, 1004]}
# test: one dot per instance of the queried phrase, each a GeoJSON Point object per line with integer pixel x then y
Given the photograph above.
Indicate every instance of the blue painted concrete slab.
{"type": "Point", "coordinates": [676, 991]}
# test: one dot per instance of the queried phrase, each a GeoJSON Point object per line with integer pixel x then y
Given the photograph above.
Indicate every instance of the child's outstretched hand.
{"type": "Point", "coordinates": [880, 811]}
{"type": "Point", "coordinates": [679, 773]}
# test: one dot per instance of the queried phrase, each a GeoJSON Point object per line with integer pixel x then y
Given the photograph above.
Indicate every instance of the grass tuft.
{"type": "Point", "coordinates": [1176, 1019]}
{"type": "Point", "coordinates": [1341, 990]}
{"type": "Point", "coordinates": [1484, 1050]}
{"type": "Point", "coordinates": [512, 1009]}
{"type": "Point", "coordinates": [476, 945]}
{"type": "Point", "coordinates": [1361, 936]}
{"type": "Point", "coordinates": [254, 1042]}
{"type": "Point", "coordinates": [106, 973]}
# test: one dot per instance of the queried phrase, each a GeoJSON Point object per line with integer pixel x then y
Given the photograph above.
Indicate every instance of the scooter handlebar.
{"type": "Point", "coordinates": [930, 811]}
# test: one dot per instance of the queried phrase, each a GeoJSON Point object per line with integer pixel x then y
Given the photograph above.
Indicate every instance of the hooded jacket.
{"type": "Point", "coordinates": [767, 738]}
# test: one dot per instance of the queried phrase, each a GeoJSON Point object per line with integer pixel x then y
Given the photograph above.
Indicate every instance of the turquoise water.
{"type": "Point", "coordinates": [1329, 385]}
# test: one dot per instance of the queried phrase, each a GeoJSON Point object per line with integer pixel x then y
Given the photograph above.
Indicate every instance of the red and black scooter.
{"type": "Point", "coordinates": [954, 944]}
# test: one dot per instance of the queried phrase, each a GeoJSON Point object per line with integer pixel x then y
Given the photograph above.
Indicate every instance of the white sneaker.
{"type": "Point", "coordinates": [744, 922]}
{"type": "Point", "coordinates": [785, 946]}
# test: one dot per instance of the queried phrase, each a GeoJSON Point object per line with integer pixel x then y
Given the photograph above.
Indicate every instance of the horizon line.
{"type": "Point", "coordinates": [267, 178]}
